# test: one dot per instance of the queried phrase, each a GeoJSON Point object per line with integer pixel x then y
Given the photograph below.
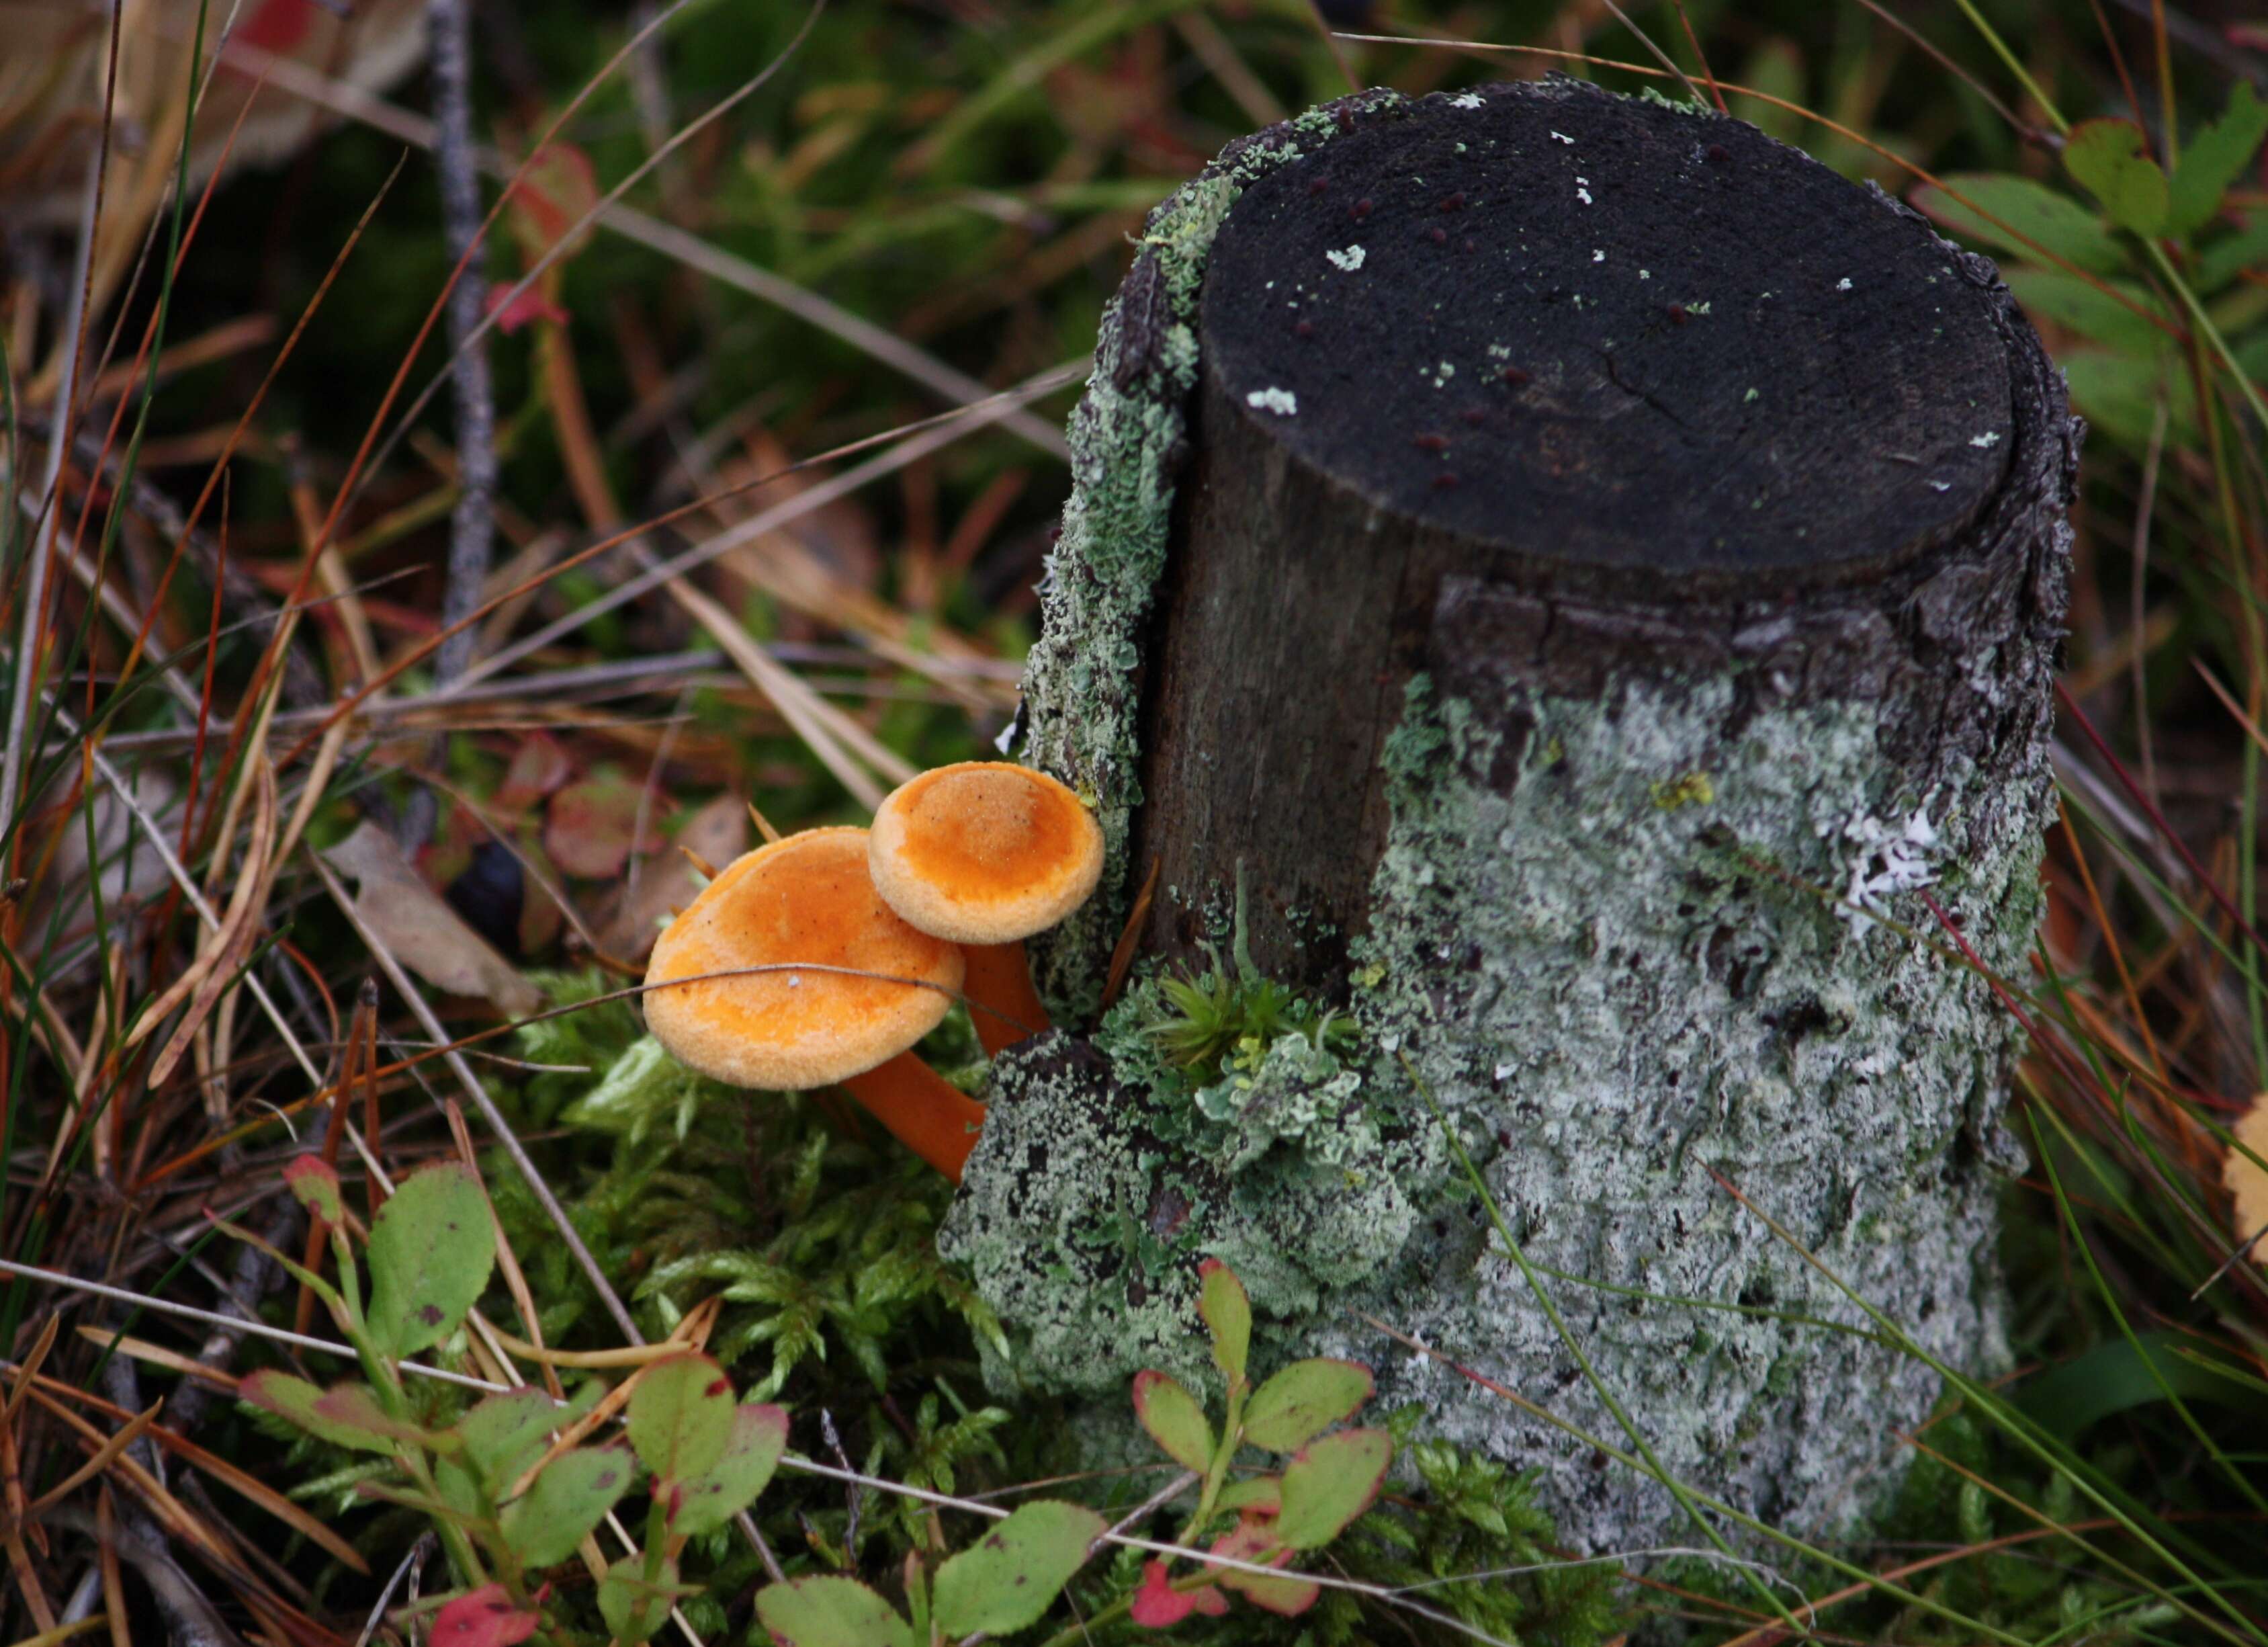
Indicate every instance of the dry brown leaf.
{"type": "Point", "coordinates": [718, 833]}
{"type": "Point", "coordinates": [424, 933]}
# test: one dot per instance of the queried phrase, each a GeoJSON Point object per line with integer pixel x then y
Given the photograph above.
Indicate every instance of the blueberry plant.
{"type": "Point", "coordinates": [512, 1486]}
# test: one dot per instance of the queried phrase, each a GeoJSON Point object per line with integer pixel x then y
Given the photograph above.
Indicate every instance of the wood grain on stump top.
{"type": "Point", "coordinates": [1608, 333]}
{"type": "Point", "coordinates": [1729, 417]}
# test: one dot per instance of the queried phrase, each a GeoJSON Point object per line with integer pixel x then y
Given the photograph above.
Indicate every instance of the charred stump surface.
{"type": "Point", "coordinates": [1592, 575]}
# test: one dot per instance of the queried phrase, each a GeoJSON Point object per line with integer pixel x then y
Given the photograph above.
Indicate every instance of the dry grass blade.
{"type": "Point", "coordinates": [226, 951]}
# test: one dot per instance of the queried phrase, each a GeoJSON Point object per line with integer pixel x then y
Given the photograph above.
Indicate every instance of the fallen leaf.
{"type": "Point", "coordinates": [424, 933]}
{"type": "Point", "coordinates": [592, 827]}
{"type": "Point", "coordinates": [716, 834]}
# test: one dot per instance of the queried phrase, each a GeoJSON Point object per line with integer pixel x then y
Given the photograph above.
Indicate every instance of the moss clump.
{"type": "Point", "coordinates": [1108, 1169]}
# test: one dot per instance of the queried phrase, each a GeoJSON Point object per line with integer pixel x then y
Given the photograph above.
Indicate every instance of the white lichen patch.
{"type": "Point", "coordinates": [1889, 859]}
{"type": "Point", "coordinates": [1565, 138]}
{"type": "Point", "coordinates": [1842, 284]}
{"type": "Point", "coordinates": [1350, 260]}
{"type": "Point", "coordinates": [1598, 255]}
{"type": "Point", "coordinates": [1582, 190]}
{"type": "Point", "coordinates": [1990, 437]}
{"type": "Point", "coordinates": [1282, 402]}
{"type": "Point", "coordinates": [1442, 373]}
{"type": "Point", "coordinates": [1466, 99]}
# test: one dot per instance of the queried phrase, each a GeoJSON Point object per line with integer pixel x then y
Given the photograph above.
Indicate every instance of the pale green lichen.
{"type": "Point", "coordinates": [1080, 698]}
{"type": "Point", "coordinates": [1107, 1172]}
{"type": "Point", "coordinates": [1611, 1001]}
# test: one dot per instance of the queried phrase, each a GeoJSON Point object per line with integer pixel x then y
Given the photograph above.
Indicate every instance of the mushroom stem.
{"type": "Point", "coordinates": [923, 1111]}
{"type": "Point", "coordinates": [1002, 1002]}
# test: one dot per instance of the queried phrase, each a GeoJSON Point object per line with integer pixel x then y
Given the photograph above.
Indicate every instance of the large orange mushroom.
{"type": "Point", "coordinates": [849, 988]}
{"type": "Point", "coordinates": [987, 853]}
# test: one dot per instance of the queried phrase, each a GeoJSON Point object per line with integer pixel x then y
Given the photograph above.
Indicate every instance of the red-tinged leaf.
{"type": "Point", "coordinates": [1329, 1483]}
{"type": "Point", "coordinates": [531, 303]}
{"type": "Point", "coordinates": [539, 767]}
{"type": "Point", "coordinates": [1157, 1604]}
{"type": "Point", "coordinates": [1252, 1541]}
{"type": "Point", "coordinates": [1302, 1401]}
{"type": "Point", "coordinates": [555, 190]}
{"type": "Point", "coordinates": [316, 1184]}
{"type": "Point", "coordinates": [277, 26]}
{"type": "Point", "coordinates": [593, 826]}
{"type": "Point", "coordinates": [1174, 1419]}
{"type": "Point", "coordinates": [354, 1407]}
{"type": "Point", "coordinates": [1259, 1495]}
{"type": "Point", "coordinates": [1227, 1310]}
{"type": "Point", "coordinates": [484, 1617]}
{"type": "Point", "coordinates": [729, 1486]}
{"type": "Point", "coordinates": [680, 1416]}
{"type": "Point", "coordinates": [300, 1403]}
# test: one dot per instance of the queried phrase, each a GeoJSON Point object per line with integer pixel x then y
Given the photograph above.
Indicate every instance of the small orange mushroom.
{"type": "Point", "coordinates": [876, 986]}
{"type": "Point", "coordinates": [987, 853]}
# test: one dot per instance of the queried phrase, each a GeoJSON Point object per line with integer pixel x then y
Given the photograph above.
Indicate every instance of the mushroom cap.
{"type": "Point", "coordinates": [805, 898]}
{"type": "Point", "coordinates": [985, 852]}
{"type": "Point", "coordinates": [2248, 1184]}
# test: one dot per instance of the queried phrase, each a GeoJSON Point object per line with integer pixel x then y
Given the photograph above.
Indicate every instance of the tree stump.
{"type": "Point", "coordinates": [1590, 576]}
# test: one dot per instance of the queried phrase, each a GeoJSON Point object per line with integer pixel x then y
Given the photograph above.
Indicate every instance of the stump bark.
{"type": "Point", "coordinates": [1590, 575]}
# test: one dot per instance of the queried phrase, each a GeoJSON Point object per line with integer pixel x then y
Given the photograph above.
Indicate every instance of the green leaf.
{"type": "Point", "coordinates": [2119, 394]}
{"type": "Point", "coordinates": [1263, 1493]}
{"type": "Point", "coordinates": [431, 1247]}
{"type": "Point", "coordinates": [829, 1612]}
{"type": "Point", "coordinates": [680, 1416]}
{"type": "Point", "coordinates": [572, 1496]}
{"type": "Point", "coordinates": [1229, 1312]}
{"type": "Point", "coordinates": [2085, 308]}
{"type": "Point", "coordinates": [2226, 259]}
{"type": "Point", "coordinates": [2215, 157]}
{"type": "Point", "coordinates": [299, 1402]}
{"type": "Point", "coordinates": [1174, 1419]}
{"type": "Point", "coordinates": [2122, 1374]}
{"type": "Point", "coordinates": [2107, 156]}
{"type": "Point", "coordinates": [2035, 218]}
{"type": "Point", "coordinates": [1331, 1482]}
{"type": "Point", "coordinates": [354, 1407]}
{"type": "Point", "coordinates": [1304, 1399]}
{"type": "Point", "coordinates": [633, 1609]}
{"type": "Point", "coordinates": [743, 1471]}
{"type": "Point", "coordinates": [502, 1434]}
{"type": "Point", "coordinates": [316, 1183]}
{"type": "Point", "coordinates": [1014, 1573]}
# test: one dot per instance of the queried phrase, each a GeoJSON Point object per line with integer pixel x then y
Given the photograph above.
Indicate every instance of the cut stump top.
{"type": "Point", "coordinates": [1609, 338]}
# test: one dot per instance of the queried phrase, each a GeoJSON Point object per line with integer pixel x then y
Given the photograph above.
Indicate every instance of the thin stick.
{"type": "Point", "coordinates": [35, 594]}
{"type": "Point", "coordinates": [471, 523]}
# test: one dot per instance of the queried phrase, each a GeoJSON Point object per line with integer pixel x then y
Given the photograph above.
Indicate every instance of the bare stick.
{"type": "Point", "coordinates": [41, 544]}
{"type": "Point", "coordinates": [471, 524]}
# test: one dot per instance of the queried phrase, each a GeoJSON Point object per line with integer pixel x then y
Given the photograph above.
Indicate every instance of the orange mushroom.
{"type": "Point", "coordinates": [986, 854]}
{"type": "Point", "coordinates": [2248, 1180]}
{"type": "Point", "coordinates": [876, 986]}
